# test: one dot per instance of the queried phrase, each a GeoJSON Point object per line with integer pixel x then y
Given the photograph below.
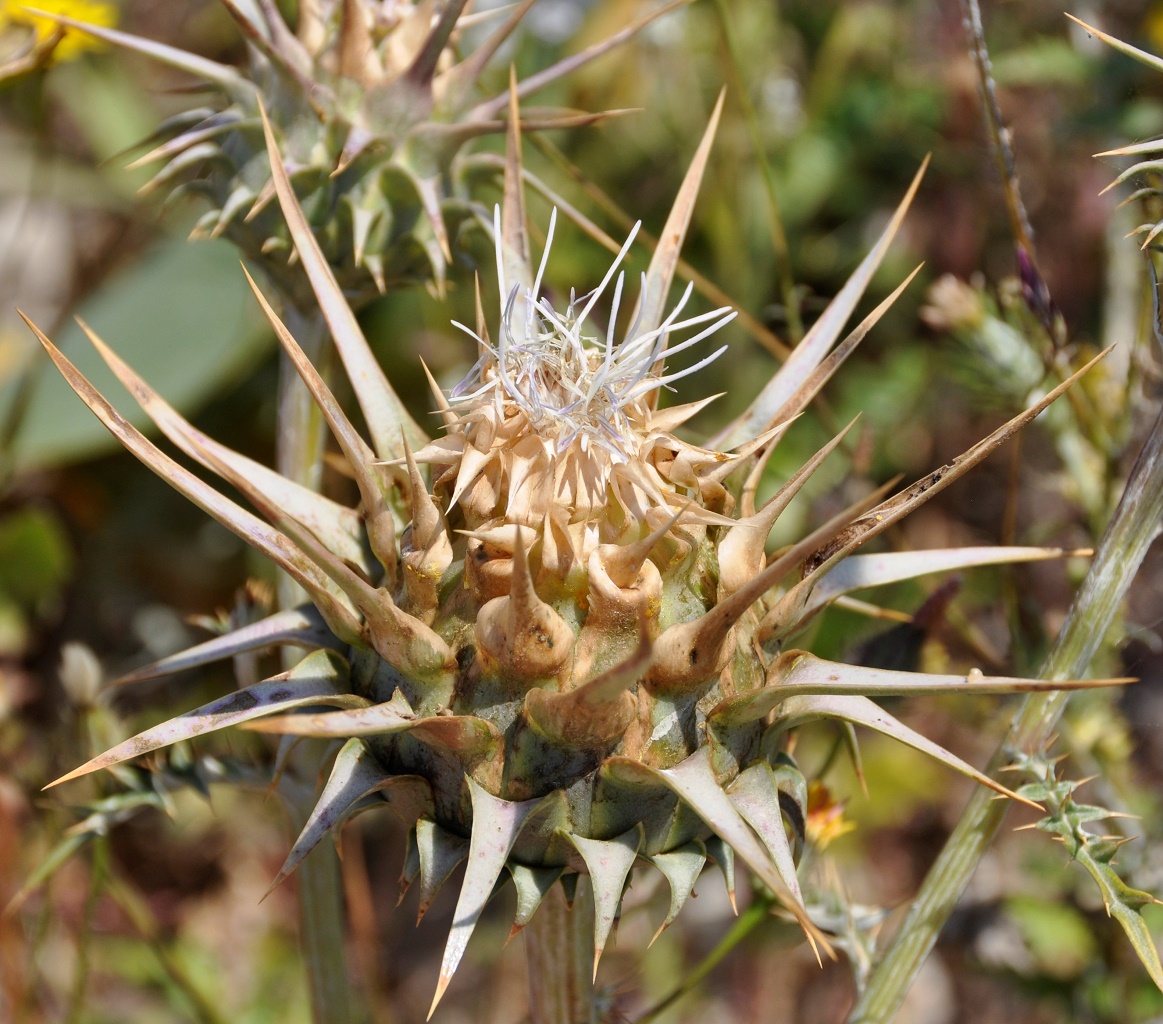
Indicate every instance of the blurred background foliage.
{"type": "Point", "coordinates": [158, 916]}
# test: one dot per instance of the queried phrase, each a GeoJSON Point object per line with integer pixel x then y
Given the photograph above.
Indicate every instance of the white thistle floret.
{"type": "Point", "coordinates": [571, 386]}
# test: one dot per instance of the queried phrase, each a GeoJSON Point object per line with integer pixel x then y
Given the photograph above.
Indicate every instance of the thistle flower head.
{"type": "Point", "coordinates": [566, 411]}
{"type": "Point", "coordinates": [572, 657]}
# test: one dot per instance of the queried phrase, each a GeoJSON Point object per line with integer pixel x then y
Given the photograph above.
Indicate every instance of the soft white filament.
{"type": "Point", "coordinates": [573, 386]}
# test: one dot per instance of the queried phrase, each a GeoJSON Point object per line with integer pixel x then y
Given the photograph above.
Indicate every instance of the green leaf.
{"type": "Point", "coordinates": [181, 315]}
{"type": "Point", "coordinates": [1123, 904]}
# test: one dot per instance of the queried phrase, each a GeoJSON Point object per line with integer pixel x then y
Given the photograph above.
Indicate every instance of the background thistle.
{"type": "Point", "coordinates": [371, 103]}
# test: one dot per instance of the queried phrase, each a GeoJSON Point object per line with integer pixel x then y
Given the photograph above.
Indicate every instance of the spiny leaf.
{"type": "Point", "coordinates": [797, 673]}
{"type": "Point", "coordinates": [423, 68]}
{"type": "Point", "coordinates": [355, 775]}
{"type": "Point", "coordinates": [1123, 904]}
{"type": "Point", "coordinates": [720, 852]}
{"type": "Point", "coordinates": [355, 449]}
{"type": "Point", "coordinates": [491, 108]}
{"type": "Point", "coordinates": [254, 531]}
{"type": "Point", "coordinates": [693, 781]}
{"type": "Point", "coordinates": [320, 678]}
{"type": "Point", "coordinates": [660, 273]}
{"type": "Point", "coordinates": [296, 627]}
{"type": "Point", "coordinates": [460, 78]}
{"type": "Point", "coordinates": [335, 525]}
{"type": "Point", "coordinates": [787, 613]}
{"type": "Point", "coordinates": [385, 414]}
{"type": "Point", "coordinates": [859, 571]}
{"type": "Point", "coordinates": [52, 862]}
{"type": "Point", "coordinates": [495, 824]}
{"type": "Point", "coordinates": [835, 359]}
{"type": "Point", "coordinates": [1142, 56]}
{"type": "Point", "coordinates": [756, 796]}
{"type": "Point", "coordinates": [796, 711]}
{"type": "Point", "coordinates": [608, 863]}
{"type": "Point", "coordinates": [440, 852]}
{"type": "Point", "coordinates": [225, 77]}
{"type": "Point", "coordinates": [517, 264]}
{"type": "Point", "coordinates": [681, 868]}
{"type": "Point", "coordinates": [531, 884]}
{"type": "Point", "coordinates": [810, 352]}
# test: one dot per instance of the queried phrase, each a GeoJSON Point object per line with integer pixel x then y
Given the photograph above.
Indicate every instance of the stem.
{"type": "Point", "coordinates": [1135, 525]}
{"type": "Point", "coordinates": [301, 437]}
{"type": "Point", "coordinates": [300, 445]}
{"type": "Point", "coordinates": [751, 918]}
{"type": "Point", "coordinates": [322, 930]}
{"type": "Point", "coordinates": [559, 951]}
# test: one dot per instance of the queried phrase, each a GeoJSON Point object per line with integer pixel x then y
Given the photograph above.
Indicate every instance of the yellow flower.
{"type": "Point", "coordinates": [74, 42]}
{"type": "Point", "coordinates": [825, 816]}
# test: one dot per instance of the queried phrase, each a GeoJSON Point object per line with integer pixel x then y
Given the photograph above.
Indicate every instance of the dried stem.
{"type": "Point", "coordinates": [1136, 523]}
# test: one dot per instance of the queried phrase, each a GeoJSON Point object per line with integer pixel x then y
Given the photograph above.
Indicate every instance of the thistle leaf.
{"type": "Point", "coordinates": [531, 884]}
{"type": "Point", "coordinates": [1142, 56]}
{"type": "Point", "coordinates": [495, 825]}
{"type": "Point", "coordinates": [608, 863]}
{"type": "Point", "coordinates": [296, 627]}
{"type": "Point", "coordinates": [681, 868]}
{"type": "Point", "coordinates": [221, 75]}
{"type": "Point", "coordinates": [369, 720]}
{"type": "Point", "coordinates": [320, 678]}
{"type": "Point", "coordinates": [720, 852]}
{"type": "Point", "coordinates": [517, 263]}
{"type": "Point", "coordinates": [356, 774]}
{"type": "Point", "coordinates": [797, 673]}
{"type": "Point", "coordinates": [335, 525]}
{"type": "Point", "coordinates": [693, 781]}
{"type": "Point", "coordinates": [755, 795]}
{"type": "Point", "coordinates": [1123, 904]}
{"type": "Point", "coordinates": [440, 852]}
{"type": "Point", "coordinates": [491, 108]}
{"type": "Point", "coordinates": [786, 615]}
{"type": "Point", "coordinates": [823, 372]}
{"type": "Point", "coordinates": [254, 531]}
{"type": "Point", "coordinates": [660, 273]}
{"type": "Point", "coordinates": [796, 711]}
{"type": "Point", "coordinates": [859, 571]}
{"type": "Point", "coordinates": [356, 451]}
{"type": "Point", "coordinates": [423, 68]}
{"type": "Point", "coordinates": [385, 414]}
{"type": "Point", "coordinates": [809, 353]}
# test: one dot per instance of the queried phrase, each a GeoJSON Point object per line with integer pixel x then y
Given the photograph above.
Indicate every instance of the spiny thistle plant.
{"type": "Point", "coordinates": [568, 650]}
{"type": "Point", "coordinates": [371, 102]}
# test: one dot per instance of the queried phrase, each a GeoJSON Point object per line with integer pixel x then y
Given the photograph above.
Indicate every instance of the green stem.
{"type": "Point", "coordinates": [322, 924]}
{"type": "Point", "coordinates": [559, 950]}
{"type": "Point", "coordinates": [301, 437]}
{"type": "Point", "coordinates": [301, 443]}
{"type": "Point", "coordinates": [751, 918]}
{"type": "Point", "coordinates": [1136, 523]}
